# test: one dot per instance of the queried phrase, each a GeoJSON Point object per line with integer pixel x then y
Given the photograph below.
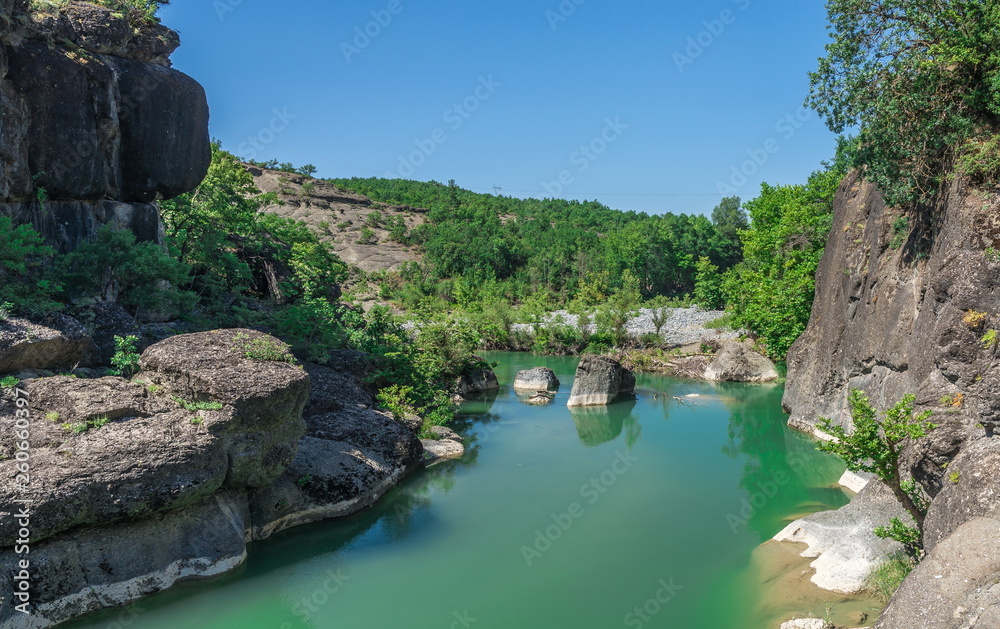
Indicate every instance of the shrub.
{"type": "Point", "coordinates": [900, 229]}
{"type": "Point", "coordinates": [876, 447]}
{"type": "Point", "coordinates": [263, 348]}
{"type": "Point", "coordinates": [125, 362]}
{"type": "Point", "coordinates": [9, 382]}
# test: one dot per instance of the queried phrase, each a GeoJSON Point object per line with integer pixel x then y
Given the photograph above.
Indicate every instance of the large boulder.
{"type": "Point", "coordinates": [955, 586]}
{"type": "Point", "coordinates": [351, 456]}
{"type": "Point", "coordinates": [537, 379]}
{"type": "Point", "coordinates": [600, 380]}
{"type": "Point", "coordinates": [738, 361]}
{"type": "Point", "coordinates": [58, 342]}
{"type": "Point", "coordinates": [843, 542]}
{"type": "Point", "coordinates": [478, 379]}
{"type": "Point", "coordinates": [195, 421]}
{"type": "Point", "coordinates": [252, 374]}
{"type": "Point", "coordinates": [971, 489]}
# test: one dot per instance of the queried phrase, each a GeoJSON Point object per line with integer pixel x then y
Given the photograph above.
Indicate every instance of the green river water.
{"type": "Point", "coordinates": [643, 514]}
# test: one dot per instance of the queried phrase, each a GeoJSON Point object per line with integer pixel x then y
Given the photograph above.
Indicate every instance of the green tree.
{"type": "Point", "coordinates": [917, 78]}
{"type": "Point", "coordinates": [729, 219]}
{"type": "Point", "coordinates": [25, 282]}
{"type": "Point", "coordinates": [708, 286]}
{"type": "Point", "coordinates": [771, 292]}
{"type": "Point", "coordinates": [875, 447]}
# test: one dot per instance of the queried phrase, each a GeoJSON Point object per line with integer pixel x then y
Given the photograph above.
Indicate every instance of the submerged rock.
{"type": "Point", "coordinates": [843, 541]}
{"type": "Point", "coordinates": [600, 380]}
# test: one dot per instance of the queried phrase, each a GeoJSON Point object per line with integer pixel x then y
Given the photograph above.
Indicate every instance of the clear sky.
{"type": "Point", "coordinates": [646, 105]}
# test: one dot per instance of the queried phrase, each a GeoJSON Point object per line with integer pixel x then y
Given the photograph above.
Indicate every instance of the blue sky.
{"type": "Point", "coordinates": [644, 105]}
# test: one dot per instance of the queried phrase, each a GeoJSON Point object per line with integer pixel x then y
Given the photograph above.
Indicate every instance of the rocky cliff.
{"type": "Point", "coordinates": [908, 302]}
{"type": "Point", "coordinates": [133, 485]}
{"type": "Point", "coordinates": [95, 123]}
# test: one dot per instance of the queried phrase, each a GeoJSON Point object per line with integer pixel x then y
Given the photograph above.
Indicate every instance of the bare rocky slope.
{"type": "Point", "coordinates": [339, 217]}
{"type": "Point", "coordinates": [909, 303]}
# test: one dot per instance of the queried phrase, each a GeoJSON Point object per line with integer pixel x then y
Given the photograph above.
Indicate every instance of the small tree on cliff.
{"type": "Point", "coordinates": [875, 447]}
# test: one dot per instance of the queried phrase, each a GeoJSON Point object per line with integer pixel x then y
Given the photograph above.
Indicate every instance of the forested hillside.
{"type": "Point", "coordinates": [479, 247]}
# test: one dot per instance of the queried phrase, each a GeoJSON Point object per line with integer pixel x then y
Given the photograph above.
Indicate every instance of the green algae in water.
{"type": "Point", "coordinates": [643, 514]}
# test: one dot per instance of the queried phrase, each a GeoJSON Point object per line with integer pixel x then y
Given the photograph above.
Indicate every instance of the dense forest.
{"type": "Point", "coordinates": [505, 247]}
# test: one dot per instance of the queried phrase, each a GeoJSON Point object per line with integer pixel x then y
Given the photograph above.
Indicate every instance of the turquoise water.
{"type": "Point", "coordinates": [643, 514]}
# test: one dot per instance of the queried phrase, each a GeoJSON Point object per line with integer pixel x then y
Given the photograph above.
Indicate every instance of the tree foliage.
{"type": "Point", "coordinates": [875, 446]}
{"type": "Point", "coordinates": [770, 293]}
{"type": "Point", "coordinates": [518, 248]}
{"type": "Point", "coordinates": [917, 78]}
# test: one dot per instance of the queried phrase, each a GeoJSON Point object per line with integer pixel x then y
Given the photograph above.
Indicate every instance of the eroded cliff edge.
{"type": "Point", "coordinates": [908, 302]}
{"type": "Point", "coordinates": [95, 124]}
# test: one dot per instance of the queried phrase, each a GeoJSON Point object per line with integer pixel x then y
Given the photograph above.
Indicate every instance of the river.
{"type": "Point", "coordinates": [642, 514]}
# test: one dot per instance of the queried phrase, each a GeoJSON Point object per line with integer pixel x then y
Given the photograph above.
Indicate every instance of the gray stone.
{"type": "Point", "coordinates": [739, 361]}
{"type": "Point", "coordinates": [443, 432]}
{"type": "Point", "coordinates": [441, 450]}
{"type": "Point", "coordinates": [59, 342]}
{"type": "Point", "coordinates": [479, 379]}
{"type": "Point", "coordinates": [807, 623]}
{"type": "Point", "coordinates": [842, 541]}
{"type": "Point", "coordinates": [537, 379]}
{"type": "Point", "coordinates": [600, 380]}
{"type": "Point", "coordinates": [955, 586]}
{"type": "Point", "coordinates": [267, 397]}
{"type": "Point", "coordinates": [971, 489]}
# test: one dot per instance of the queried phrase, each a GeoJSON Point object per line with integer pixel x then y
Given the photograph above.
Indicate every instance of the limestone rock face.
{"type": "Point", "coordinates": [60, 343]}
{"type": "Point", "coordinates": [107, 450]}
{"type": "Point", "coordinates": [351, 455]}
{"type": "Point", "coordinates": [842, 541]}
{"type": "Point", "coordinates": [914, 310]}
{"type": "Point", "coordinates": [600, 380]}
{"type": "Point", "coordinates": [956, 584]}
{"type": "Point", "coordinates": [155, 490]}
{"type": "Point", "coordinates": [738, 361]}
{"type": "Point", "coordinates": [971, 489]}
{"type": "Point", "coordinates": [91, 568]}
{"type": "Point", "coordinates": [537, 379]}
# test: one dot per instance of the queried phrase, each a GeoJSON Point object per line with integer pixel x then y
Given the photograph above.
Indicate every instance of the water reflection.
{"type": "Point", "coordinates": [775, 458]}
{"type": "Point", "coordinates": [600, 424]}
